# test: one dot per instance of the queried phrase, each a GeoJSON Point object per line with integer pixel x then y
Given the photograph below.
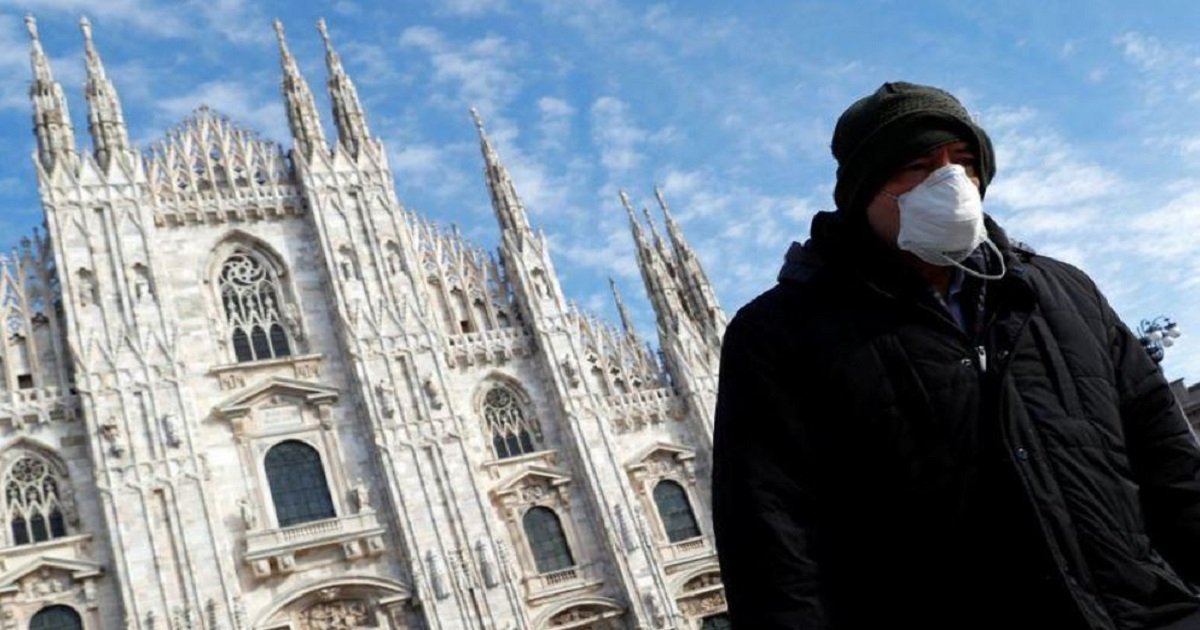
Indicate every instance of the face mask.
{"type": "Point", "coordinates": [941, 220]}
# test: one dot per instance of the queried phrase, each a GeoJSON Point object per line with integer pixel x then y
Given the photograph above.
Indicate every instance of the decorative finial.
{"type": "Point", "coordinates": [31, 24]}
{"type": "Point", "coordinates": [278, 27]}
{"type": "Point", "coordinates": [85, 25]}
{"type": "Point", "coordinates": [662, 201]}
{"type": "Point", "coordinates": [324, 31]}
{"type": "Point", "coordinates": [625, 202]}
{"type": "Point", "coordinates": [477, 119]}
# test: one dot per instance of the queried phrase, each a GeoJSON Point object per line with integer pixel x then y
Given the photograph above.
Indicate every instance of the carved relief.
{"type": "Point", "coordinates": [338, 615]}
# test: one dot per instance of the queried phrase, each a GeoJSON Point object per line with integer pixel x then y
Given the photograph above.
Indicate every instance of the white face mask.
{"type": "Point", "coordinates": [941, 219]}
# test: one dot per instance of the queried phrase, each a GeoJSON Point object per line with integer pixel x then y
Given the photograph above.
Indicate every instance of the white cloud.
{"type": "Point", "coordinates": [1038, 168]}
{"type": "Point", "coordinates": [472, 8]}
{"type": "Point", "coordinates": [371, 64]}
{"type": "Point", "coordinates": [479, 70]}
{"type": "Point", "coordinates": [1168, 71]}
{"type": "Point", "coordinates": [144, 15]}
{"type": "Point", "coordinates": [554, 123]}
{"type": "Point", "coordinates": [236, 20]}
{"type": "Point", "coordinates": [616, 136]}
{"type": "Point", "coordinates": [1168, 233]}
{"type": "Point", "coordinates": [1147, 52]}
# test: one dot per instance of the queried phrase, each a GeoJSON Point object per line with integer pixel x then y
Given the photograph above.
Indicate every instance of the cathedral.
{"type": "Point", "coordinates": [242, 387]}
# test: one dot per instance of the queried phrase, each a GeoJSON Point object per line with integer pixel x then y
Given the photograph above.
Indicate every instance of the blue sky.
{"type": "Point", "coordinates": [727, 105]}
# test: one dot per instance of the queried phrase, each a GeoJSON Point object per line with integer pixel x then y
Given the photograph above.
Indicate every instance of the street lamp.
{"type": "Point", "coordinates": [1157, 335]}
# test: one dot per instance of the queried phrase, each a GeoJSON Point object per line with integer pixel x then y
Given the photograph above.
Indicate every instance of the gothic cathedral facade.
{"type": "Point", "coordinates": [244, 387]}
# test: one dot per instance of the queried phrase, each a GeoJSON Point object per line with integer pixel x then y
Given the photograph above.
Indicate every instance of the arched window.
{"type": "Point", "coordinates": [250, 295]}
{"type": "Point", "coordinates": [56, 618]}
{"type": "Point", "coordinates": [297, 481]}
{"type": "Point", "coordinates": [716, 622]}
{"type": "Point", "coordinates": [511, 433]}
{"type": "Point", "coordinates": [32, 503]}
{"type": "Point", "coordinates": [675, 511]}
{"type": "Point", "coordinates": [547, 541]}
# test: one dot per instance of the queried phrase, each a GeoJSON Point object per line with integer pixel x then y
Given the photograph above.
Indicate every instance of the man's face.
{"type": "Point", "coordinates": [883, 213]}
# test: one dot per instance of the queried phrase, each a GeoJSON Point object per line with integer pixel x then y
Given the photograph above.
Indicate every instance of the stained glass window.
{"type": "Point", "coordinates": [675, 511]}
{"type": "Point", "coordinates": [298, 486]}
{"type": "Point", "coordinates": [250, 295]}
{"type": "Point", "coordinates": [547, 541]}
{"type": "Point", "coordinates": [512, 434]}
{"type": "Point", "coordinates": [32, 502]}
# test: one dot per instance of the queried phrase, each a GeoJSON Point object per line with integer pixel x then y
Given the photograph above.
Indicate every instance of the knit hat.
{"type": "Point", "coordinates": [880, 133]}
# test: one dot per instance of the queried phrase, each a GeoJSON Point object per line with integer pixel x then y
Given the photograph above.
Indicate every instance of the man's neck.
{"type": "Point", "coordinates": [936, 276]}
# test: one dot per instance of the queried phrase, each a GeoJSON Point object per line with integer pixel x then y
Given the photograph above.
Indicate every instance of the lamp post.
{"type": "Point", "coordinates": [1157, 335]}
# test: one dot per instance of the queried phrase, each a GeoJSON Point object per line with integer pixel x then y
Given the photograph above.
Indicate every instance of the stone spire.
{"type": "Point", "coordinates": [698, 291]}
{"type": "Point", "coordinates": [303, 119]}
{"type": "Point", "coordinates": [660, 287]}
{"type": "Point", "coordinates": [51, 119]}
{"type": "Point", "coordinates": [110, 136]}
{"type": "Point", "coordinates": [509, 210]}
{"type": "Point", "coordinates": [348, 113]}
{"type": "Point", "coordinates": [626, 321]}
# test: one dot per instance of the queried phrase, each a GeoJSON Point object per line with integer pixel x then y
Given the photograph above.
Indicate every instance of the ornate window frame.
{"type": "Point", "coordinates": [283, 322]}
{"type": "Point", "coordinates": [63, 500]}
{"type": "Point", "coordinates": [537, 486]}
{"type": "Point", "coordinates": [586, 613]}
{"type": "Point", "coordinates": [387, 603]}
{"type": "Point", "coordinates": [700, 593]}
{"type": "Point", "coordinates": [525, 407]}
{"type": "Point", "coordinates": [281, 410]}
{"type": "Point", "coordinates": [40, 581]}
{"type": "Point", "coordinates": [670, 462]}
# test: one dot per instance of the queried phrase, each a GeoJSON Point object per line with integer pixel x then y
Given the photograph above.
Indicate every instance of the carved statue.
{"type": "Point", "coordinates": [249, 518]}
{"type": "Point", "coordinates": [87, 288]}
{"type": "Point", "coordinates": [387, 398]}
{"type": "Point", "coordinates": [291, 319]}
{"type": "Point", "coordinates": [431, 390]}
{"type": "Point", "coordinates": [111, 432]}
{"type": "Point", "coordinates": [359, 495]}
{"type": "Point", "coordinates": [170, 426]}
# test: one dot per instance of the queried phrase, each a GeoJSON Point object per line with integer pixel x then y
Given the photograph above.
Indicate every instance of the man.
{"type": "Point", "coordinates": [926, 425]}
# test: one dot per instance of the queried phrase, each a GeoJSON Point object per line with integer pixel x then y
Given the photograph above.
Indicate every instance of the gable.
{"type": "Point", "coordinates": [275, 391]}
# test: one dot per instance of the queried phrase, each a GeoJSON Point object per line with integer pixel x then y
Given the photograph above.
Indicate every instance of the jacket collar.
{"type": "Point", "coordinates": [840, 248]}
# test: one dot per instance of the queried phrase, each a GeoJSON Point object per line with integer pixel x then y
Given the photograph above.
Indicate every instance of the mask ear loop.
{"type": "Point", "coordinates": [977, 274]}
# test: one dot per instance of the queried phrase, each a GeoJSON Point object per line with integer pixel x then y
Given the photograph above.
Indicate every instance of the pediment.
{"type": "Point", "coordinates": [74, 569]}
{"type": "Point", "coordinates": [661, 450]}
{"type": "Point", "coordinates": [532, 476]}
{"type": "Point", "coordinates": [273, 391]}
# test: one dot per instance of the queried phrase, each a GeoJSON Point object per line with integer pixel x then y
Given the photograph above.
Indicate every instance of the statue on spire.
{"type": "Point", "coordinates": [51, 119]}
{"type": "Point", "coordinates": [303, 120]}
{"type": "Point", "coordinates": [106, 121]}
{"type": "Point", "coordinates": [348, 114]}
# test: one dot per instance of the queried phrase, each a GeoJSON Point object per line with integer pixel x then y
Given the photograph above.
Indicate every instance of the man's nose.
{"type": "Point", "coordinates": [941, 156]}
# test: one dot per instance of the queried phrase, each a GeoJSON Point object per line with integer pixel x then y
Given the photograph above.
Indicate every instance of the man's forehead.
{"type": "Point", "coordinates": [956, 147]}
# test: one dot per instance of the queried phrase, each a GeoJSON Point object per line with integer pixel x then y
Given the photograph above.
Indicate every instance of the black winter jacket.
{"type": "Point", "coordinates": [875, 466]}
